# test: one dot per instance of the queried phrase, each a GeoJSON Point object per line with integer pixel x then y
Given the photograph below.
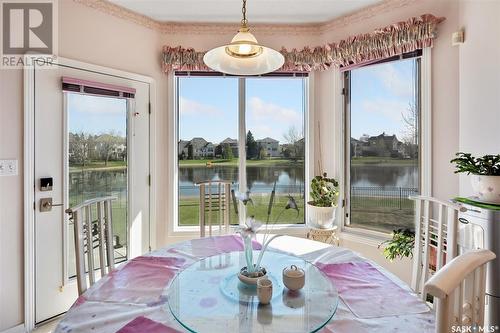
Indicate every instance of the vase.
{"type": "Point", "coordinates": [250, 278]}
{"type": "Point", "coordinates": [486, 188]}
{"type": "Point", "coordinates": [321, 217]}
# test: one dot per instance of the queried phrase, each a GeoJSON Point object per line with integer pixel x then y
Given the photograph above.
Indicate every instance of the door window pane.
{"type": "Point", "coordinates": [97, 162]}
{"type": "Point", "coordinates": [384, 145]}
{"type": "Point", "coordinates": [275, 149]}
{"type": "Point", "coordinates": [208, 141]}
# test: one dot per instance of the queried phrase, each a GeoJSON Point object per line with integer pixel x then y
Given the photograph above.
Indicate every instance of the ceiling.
{"type": "Point", "coordinates": [258, 11]}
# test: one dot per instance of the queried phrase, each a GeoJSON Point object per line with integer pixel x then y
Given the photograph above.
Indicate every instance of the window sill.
{"type": "Point", "coordinates": [363, 236]}
{"type": "Point", "coordinates": [288, 229]}
{"type": "Point", "coordinates": [358, 235]}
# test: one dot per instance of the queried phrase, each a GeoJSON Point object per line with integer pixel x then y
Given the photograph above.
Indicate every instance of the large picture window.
{"type": "Point", "coordinates": [382, 144]}
{"type": "Point", "coordinates": [213, 112]}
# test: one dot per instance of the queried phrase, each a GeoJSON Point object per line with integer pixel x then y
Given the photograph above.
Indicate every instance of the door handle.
{"type": "Point", "coordinates": [46, 204]}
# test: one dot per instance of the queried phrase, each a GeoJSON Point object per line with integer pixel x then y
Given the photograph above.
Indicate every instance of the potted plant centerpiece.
{"type": "Point", "coordinates": [322, 207]}
{"type": "Point", "coordinates": [485, 175]}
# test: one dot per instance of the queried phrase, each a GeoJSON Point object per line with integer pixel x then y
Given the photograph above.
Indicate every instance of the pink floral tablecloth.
{"type": "Point", "coordinates": [132, 298]}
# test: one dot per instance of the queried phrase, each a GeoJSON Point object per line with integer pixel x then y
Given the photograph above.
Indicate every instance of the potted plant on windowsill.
{"type": "Point", "coordinates": [400, 245]}
{"type": "Point", "coordinates": [322, 207]}
{"type": "Point", "coordinates": [485, 175]}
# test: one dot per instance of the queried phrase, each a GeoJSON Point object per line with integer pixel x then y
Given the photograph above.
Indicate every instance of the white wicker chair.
{"type": "Point", "coordinates": [90, 215]}
{"type": "Point", "coordinates": [436, 229]}
{"type": "Point", "coordinates": [459, 289]}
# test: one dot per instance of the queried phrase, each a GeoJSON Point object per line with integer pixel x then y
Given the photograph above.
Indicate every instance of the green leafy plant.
{"type": "Point", "coordinates": [487, 165]}
{"type": "Point", "coordinates": [400, 245]}
{"type": "Point", "coordinates": [324, 191]}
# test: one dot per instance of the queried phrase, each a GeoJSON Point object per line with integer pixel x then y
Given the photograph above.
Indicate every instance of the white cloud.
{"type": "Point", "coordinates": [271, 120]}
{"type": "Point", "coordinates": [96, 105]}
{"type": "Point", "coordinates": [265, 112]}
{"type": "Point", "coordinates": [386, 108]}
{"type": "Point", "coordinates": [189, 107]}
{"type": "Point", "coordinates": [262, 131]}
{"type": "Point", "coordinates": [395, 81]}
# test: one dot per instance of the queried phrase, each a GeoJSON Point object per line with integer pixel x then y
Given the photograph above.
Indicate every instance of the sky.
{"type": "Point", "coordinates": [96, 115]}
{"type": "Point", "coordinates": [380, 94]}
{"type": "Point", "coordinates": [208, 106]}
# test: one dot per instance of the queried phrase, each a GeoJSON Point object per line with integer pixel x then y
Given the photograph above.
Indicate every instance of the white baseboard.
{"type": "Point", "coordinates": [15, 329]}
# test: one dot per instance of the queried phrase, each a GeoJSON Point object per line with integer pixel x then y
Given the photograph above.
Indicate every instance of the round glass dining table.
{"type": "Point", "coordinates": [208, 297]}
{"type": "Point", "coordinates": [192, 286]}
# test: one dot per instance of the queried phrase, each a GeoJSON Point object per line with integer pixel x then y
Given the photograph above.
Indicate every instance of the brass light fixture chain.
{"type": "Point", "coordinates": [244, 21]}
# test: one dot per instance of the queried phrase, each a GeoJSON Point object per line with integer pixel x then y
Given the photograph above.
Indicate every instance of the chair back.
{"type": "Point", "coordinates": [459, 291]}
{"type": "Point", "coordinates": [215, 205]}
{"type": "Point", "coordinates": [436, 230]}
{"type": "Point", "coordinates": [93, 227]}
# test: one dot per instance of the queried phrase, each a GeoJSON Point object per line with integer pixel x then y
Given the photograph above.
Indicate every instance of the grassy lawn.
{"type": "Point", "coordinates": [189, 211]}
{"type": "Point", "coordinates": [234, 162]}
{"type": "Point", "coordinates": [98, 165]}
{"type": "Point", "coordinates": [375, 160]}
{"type": "Point", "coordinates": [381, 214]}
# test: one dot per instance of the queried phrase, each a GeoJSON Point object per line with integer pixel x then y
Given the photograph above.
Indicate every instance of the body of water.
{"type": "Point", "coordinates": [290, 179]}
{"type": "Point", "coordinates": [384, 176]}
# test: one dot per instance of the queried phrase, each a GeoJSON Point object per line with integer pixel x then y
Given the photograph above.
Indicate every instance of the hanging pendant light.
{"type": "Point", "coordinates": [244, 55]}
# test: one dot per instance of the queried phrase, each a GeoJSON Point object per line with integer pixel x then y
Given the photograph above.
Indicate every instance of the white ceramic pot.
{"type": "Point", "coordinates": [486, 188]}
{"type": "Point", "coordinates": [321, 217]}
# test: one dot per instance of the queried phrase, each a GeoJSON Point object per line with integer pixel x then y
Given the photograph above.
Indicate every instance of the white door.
{"type": "Point", "coordinates": [87, 144]}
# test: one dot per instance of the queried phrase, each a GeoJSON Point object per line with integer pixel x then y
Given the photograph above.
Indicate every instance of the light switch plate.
{"type": "Point", "coordinates": [8, 168]}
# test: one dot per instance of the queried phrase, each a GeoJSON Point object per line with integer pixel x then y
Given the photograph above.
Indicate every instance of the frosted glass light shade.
{"type": "Point", "coordinates": [243, 56]}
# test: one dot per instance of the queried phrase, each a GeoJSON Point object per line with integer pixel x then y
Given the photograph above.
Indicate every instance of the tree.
{"type": "Point", "coordinates": [295, 143]}
{"type": "Point", "coordinates": [262, 153]}
{"type": "Point", "coordinates": [182, 155]}
{"type": "Point", "coordinates": [227, 152]}
{"type": "Point", "coordinates": [218, 151]}
{"type": "Point", "coordinates": [410, 136]}
{"type": "Point", "coordinates": [80, 147]}
{"type": "Point", "coordinates": [252, 146]}
{"type": "Point", "coordinates": [108, 144]}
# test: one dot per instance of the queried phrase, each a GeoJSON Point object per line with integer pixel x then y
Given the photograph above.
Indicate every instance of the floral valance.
{"type": "Point", "coordinates": [402, 37]}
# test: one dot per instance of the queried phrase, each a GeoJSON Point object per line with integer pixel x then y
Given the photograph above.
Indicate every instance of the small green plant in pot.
{"type": "Point", "coordinates": [324, 197]}
{"type": "Point", "coordinates": [484, 174]}
{"type": "Point", "coordinates": [400, 245]}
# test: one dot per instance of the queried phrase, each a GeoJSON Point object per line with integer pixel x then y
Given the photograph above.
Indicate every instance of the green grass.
{"type": "Point", "coordinates": [98, 165]}
{"type": "Point", "coordinates": [386, 161]}
{"type": "Point", "coordinates": [189, 211]}
{"type": "Point", "coordinates": [384, 215]}
{"type": "Point", "coordinates": [235, 162]}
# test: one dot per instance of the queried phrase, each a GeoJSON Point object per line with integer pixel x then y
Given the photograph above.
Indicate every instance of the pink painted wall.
{"type": "Point", "coordinates": [11, 200]}
{"type": "Point", "coordinates": [479, 68]}
{"type": "Point", "coordinates": [90, 36]}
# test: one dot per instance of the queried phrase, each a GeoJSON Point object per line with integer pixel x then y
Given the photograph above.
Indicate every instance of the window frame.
{"type": "Point", "coordinates": [290, 229]}
{"type": "Point", "coordinates": [425, 138]}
